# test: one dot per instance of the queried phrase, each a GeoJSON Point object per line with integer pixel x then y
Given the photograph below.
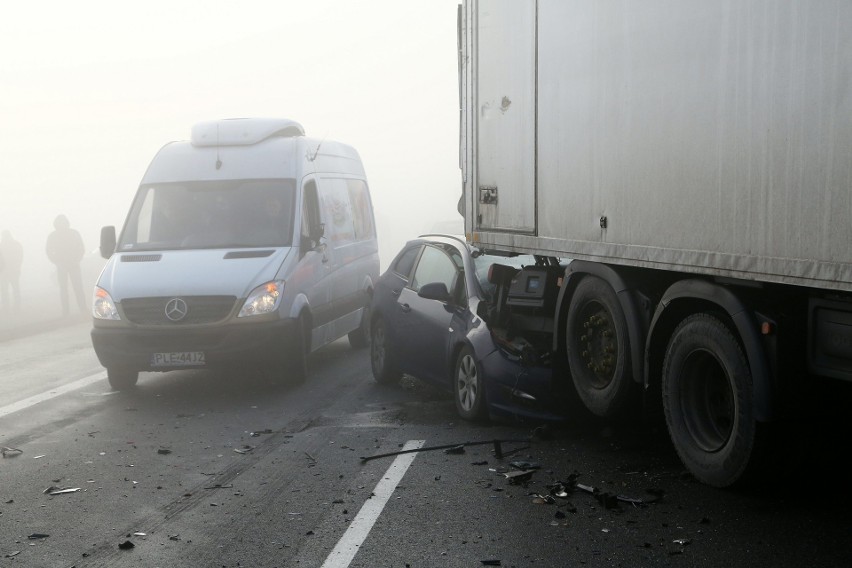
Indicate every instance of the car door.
{"type": "Point", "coordinates": [424, 324]}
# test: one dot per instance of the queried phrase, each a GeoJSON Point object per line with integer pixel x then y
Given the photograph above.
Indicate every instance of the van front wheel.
{"type": "Point", "coordinates": [122, 379]}
{"type": "Point", "coordinates": [360, 338]}
{"type": "Point", "coordinates": [298, 368]}
{"type": "Point", "coordinates": [290, 365]}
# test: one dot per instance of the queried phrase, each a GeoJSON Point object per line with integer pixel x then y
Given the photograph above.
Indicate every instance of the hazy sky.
{"type": "Point", "coordinates": [92, 89]}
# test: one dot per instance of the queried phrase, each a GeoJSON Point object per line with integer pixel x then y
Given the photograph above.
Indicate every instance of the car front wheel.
{"type": "Point", "coordinates": [468, 386]}
{"type": "Point", "coordinates": [381, 360]}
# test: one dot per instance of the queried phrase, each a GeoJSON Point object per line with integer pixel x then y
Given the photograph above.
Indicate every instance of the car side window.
{"type": "Point", "coordinates": [434, 266]}
{"type": "Point", "coordinates": [405, 261]}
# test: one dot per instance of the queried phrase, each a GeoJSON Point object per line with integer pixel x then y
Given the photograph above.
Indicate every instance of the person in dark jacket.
{"type": "Point", "coordinates": [65, 250]}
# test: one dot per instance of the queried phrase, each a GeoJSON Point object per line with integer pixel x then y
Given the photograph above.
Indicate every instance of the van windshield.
{"type": "Point", "coordinates": [211, 214]}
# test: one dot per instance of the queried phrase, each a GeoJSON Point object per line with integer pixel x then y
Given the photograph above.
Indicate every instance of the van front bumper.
{"type": "Point", "coordinates": [134, 348]}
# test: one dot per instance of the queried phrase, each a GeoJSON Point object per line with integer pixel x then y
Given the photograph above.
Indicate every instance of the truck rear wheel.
{"type": "Point", "coordinates": [598, 349]}
{"type": "Point", "coordinates": [707, 400]}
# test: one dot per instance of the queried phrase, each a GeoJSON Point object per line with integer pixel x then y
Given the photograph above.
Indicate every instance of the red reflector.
{"type": "Point", "coordinates": [766, 328]}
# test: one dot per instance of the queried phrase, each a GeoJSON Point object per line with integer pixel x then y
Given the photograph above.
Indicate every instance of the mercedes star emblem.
{"type": "Point", "coordinates": [176, 309]}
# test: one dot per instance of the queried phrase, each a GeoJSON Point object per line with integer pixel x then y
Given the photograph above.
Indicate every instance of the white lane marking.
{"type": "Point", "coordinates": [360, 526]}
{"type": "Point", "coordinates": [52, 393]}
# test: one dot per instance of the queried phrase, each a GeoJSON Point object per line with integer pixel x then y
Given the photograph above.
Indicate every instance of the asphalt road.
{"type": "Point", "coordinates": [224, 469]}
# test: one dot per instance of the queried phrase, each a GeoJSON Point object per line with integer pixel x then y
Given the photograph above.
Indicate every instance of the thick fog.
{"type": "Point", "coordinates": [91, 91]}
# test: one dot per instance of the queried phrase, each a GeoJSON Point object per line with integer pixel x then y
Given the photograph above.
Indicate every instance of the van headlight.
{"type": "Point", "coordinates": [263, 300]}
{"type": "Point", "coordinates": [103, 307]}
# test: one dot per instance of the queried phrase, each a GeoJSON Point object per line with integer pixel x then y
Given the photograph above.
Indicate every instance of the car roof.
{"type": "Point", "coordinates": [457, 241]}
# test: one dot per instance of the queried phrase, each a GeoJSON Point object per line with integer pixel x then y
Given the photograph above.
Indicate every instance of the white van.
{"type": "Point", "coordinates": [249, 244]}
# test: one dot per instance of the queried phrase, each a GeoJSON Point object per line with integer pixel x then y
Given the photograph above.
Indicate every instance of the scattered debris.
{"type": "Point", "coordinates": [37, 536]}
{"type": "Point", "coordinates": [220, 486]}
{"type": "Point", "coordinates": [520, 476]}
{"type": "Point", "coordinates": [164, 451]}
{"type": "Point", "coordinates": [455, 450]}
{"type": "Point", "coordinates": [10, 452]}
{"type": "Point", "coordinates": [525, 465]}
{"type": "Point", "coordinates": [11, 554]}
{"type": "Point", "coordinates": [139, 534]}
{"type": "Point", "coordinates": [540, 499]}
{"type": "Point", "coordinates": [682, 541]}
{"type": "Point", "coordinates": [126, 545]}
{"type": "Point", "coordinates": [608, 500]}
{"type": "Point", "coordinates": [53, 490]}
{"type": "Point", "coordinates": [483, 462]}
{"type": "Point", "coordinates": [491, 563]}
{"type": "Point", "coordinates": [174, 537]}
{"type": "Point", "coordinates": [257, 433]}
{"type": "Point", "coordinates": [310, 457]}
{"type": "Point", "coordinates": [244, 450]}
{"type": "Point", "coordinates": [38, 457]}
{"type": "Point", "coordinates": [498, 448]}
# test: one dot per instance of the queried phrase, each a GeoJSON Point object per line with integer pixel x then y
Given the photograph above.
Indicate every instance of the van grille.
{"type": "Point", "coordinates": [200, 310]}
{"type": "Point", "coordinates": [141, 257]}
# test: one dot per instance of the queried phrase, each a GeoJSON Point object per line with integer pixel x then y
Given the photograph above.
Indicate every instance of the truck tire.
{"type": "Point", "coordinates": [598, 349]}
{"type": "Point", "coordinates": [381, 359]}
{"type": "Point", "coordinates": [468, 386]}
{"type": "Point", "coordinates": [707, 400]}
{"type": "Point", "coordinates": [122, 379]}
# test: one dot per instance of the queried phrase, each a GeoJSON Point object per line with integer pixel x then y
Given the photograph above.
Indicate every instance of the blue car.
{"type": "Point", "coordinates": [448, 313]}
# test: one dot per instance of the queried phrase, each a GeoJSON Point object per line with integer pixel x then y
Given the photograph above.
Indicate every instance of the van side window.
{"type": "Point", "coordinates": [310, 216]}
{"type": "Point", "coordinates": [337, 211]}
{"type": "Point", "coordinates": [362, 213]}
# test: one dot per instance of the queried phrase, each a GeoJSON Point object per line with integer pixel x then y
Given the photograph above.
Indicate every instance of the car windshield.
{"type": "Point", "coordinates": [211, 214]}
{"type": "Point", "coordinates": [484, 261]}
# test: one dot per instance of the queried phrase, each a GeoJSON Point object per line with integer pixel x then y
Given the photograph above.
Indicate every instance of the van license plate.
{"type": "Point", "coordinates": [177, 359]}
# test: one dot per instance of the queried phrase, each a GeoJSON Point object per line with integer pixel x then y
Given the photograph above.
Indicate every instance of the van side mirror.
{"type": "Point", "coordinates": [317, 232]}
{"type": "Point", "coordinates": [435, 291]}
{"type": "Point", "coordinates": [107, 241]}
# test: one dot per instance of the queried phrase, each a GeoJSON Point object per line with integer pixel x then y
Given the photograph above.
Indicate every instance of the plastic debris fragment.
{"type": "Point", "coordinates": [126, 545]}
{"type": "Point", "coordinates": [8, 452]}
{"type": "Point", "coordinates": [519, 476]}
{"type": "Point", "coordinates": [53, 490]}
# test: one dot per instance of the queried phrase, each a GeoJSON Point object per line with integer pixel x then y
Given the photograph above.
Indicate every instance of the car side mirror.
{"type": "Point", "coordinates": [435, 291]}
{"type": "Point", "coordinates": [107, 241]}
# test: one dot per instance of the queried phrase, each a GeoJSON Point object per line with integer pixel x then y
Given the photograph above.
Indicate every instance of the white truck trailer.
{"type": "Point", "coordinates": [693, 159]}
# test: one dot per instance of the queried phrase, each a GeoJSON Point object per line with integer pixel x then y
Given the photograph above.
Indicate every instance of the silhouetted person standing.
{"type": "Point", "coordinates": [10, 276]}
{"type": "Point", "coordinates": [65, 250]}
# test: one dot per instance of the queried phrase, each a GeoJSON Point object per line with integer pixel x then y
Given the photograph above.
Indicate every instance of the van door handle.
{"type": "Point", "coordinates": [405, 308]}
{"type": "Point", "coordinates": [395, 292]}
